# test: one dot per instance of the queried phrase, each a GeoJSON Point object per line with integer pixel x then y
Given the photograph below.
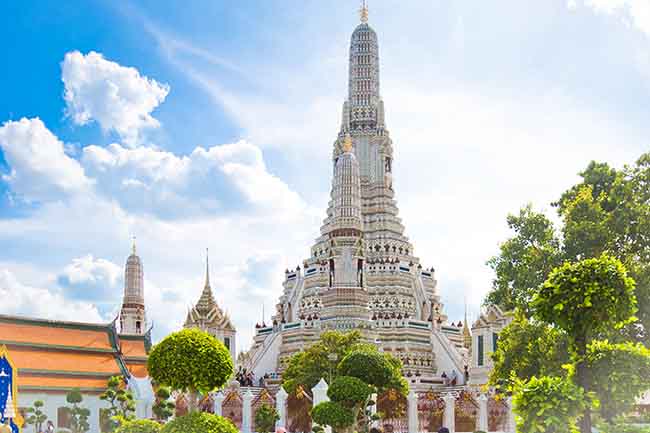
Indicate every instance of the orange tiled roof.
{"type": "Point", "coordinates": [133, 348]}
{"type": "Point", "coordinates": [64, 361]}
{"type": "Point", "coordinates": [41, 333]}
{"type": "Point", "coordinates": [138, 370]}
{"type": "Point", "coordinates": [62, 382]}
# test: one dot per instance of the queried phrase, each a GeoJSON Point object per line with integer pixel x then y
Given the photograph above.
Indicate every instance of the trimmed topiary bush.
{"type": "Point", "coordinates": [265, 418]}
{"type": "Point", "coordinates": [333, 414]}
{"type": "Point", "coordinates": [139, 426]}
{"type": "Point", "coordinates": [371, 367]}
{"type": "Point", "coordinates": [199, 422]}
{"type": "Point", "coordinates": [349, 391]}
{"type": "Point", "coordinates": [191, 361]}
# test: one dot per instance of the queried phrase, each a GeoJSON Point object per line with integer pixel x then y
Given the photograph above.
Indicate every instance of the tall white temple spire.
{"type": "Point", "coordinates": [133, 315]}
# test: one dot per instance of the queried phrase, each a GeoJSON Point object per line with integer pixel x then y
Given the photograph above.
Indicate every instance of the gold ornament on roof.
{"type": "Point", "coordinates": [363, 12]}
{"type": "Point", "coordinates": [347, 144]}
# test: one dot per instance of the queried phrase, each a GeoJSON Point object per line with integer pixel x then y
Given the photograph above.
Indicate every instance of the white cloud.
{"type": "Point", "coordinates": [40, 168]}
{"type": "Point", "coordinates": [91, 279]}
{"type": "Point", "coordinates": [42, 303]}
{"type": "Point", "coordinates": [117, 97]}
{"type": "Point", "coordinates": [634, 12]}
{"type": "Point", "coordinates": [226, 178]}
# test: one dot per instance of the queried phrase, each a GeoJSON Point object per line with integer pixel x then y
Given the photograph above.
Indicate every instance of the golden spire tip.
{"type": "Point", "coordinates": [363, 12]}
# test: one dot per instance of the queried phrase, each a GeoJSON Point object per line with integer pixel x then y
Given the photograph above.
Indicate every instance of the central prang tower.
{"type": "Point", "coordinates": [362, 272]}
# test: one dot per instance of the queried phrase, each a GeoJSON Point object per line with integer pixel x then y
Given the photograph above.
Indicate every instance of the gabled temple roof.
{"type": "Point", "coordinates": [56, 356]}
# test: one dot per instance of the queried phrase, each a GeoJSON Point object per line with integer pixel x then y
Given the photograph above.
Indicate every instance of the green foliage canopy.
{"type": "Point", "coordinates": [619, 373]}
{"type": "Point", "coordinates": [528, 348]}
{"type": "Point", "coordinates": [78, 415]}
{"type": "Point", "coordinates": [587, 299]}
{"type": "Point", "coordinates": [265, 418]}
{"type": "Point", "coordinates": [333, 414]}
{"type": "Point", "coordinates": [120, 400]}
{"type": "Point", "coordinates": [190, 360]}
{"type": "Point", "coordinates": [199, 422]}
{"type": "Point", "coordinates": [549, 405]}
{"type": "Point", "coordinates": [36, 416]}
{"type": "Point", "coordinates": [349, 391]}
{"type": "Point", "coordinates": [163, 408]}
{"type": "Point", "coordinates": [308, 366]}
{"type": "Point", "coordinates": [139, 426]}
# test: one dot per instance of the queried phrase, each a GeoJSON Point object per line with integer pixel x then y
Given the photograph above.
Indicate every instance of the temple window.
{"type": "Point", "coordinates": [226, 342]}
{"type": "Point", "coordinates": [63, 417]}
{"type": "Point", "coordinates": [495, 341]}
{"type": "Point", "coordinates": [480, 353]}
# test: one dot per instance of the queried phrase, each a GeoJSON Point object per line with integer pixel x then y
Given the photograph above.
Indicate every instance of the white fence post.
{"type": "Point", "coordinates": [320, 396]}
{"type": "Point", "coordinates": [412, 412]}
{"type": "Point", "coordinates": [449, 415]}
{"type": "Point", "coordinates": [281, 407]}
{"type": "Point", "coordinates": [483, 412]}
{"type": "Point", "coordinates": [373, 411]}
{"type": "Point", "coordinates": [247, 413]}
{"type": "Point", "coordinates": [218, 401]}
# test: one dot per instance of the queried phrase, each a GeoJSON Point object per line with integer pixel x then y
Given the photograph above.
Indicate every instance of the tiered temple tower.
{"type": "Point", "coordinates": [363, 273]}
{"type": "Point", "coordinates": [208, 316]}
{"type": "Point", "coordinates": [133, 319]}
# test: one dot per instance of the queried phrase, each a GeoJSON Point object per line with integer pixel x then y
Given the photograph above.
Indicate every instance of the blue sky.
{"type": "Point", "coordinates": [211, 124]}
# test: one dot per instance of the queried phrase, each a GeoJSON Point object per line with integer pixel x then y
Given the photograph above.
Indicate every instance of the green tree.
{"type": "Point", "coordinates": [619, 374]}
{"type": "Point", "coordinates": [525, 260]}
{"type": "Point", "coordinates": [528, 348]}
{"type": "Point", "coordinates": [586, 300]}
{"type": "Point", "coordinates": [121, 404]}
{"type": "Point", "coordinates": [333, 414]}
{"type": "Point", "coordinates": [265, 418]}
{"type": "Point", "coordinates": [199, 422]}
{"type": "Point", "coordinates": [78, 415]}
{"type": "Point", "coordinates": [319, 360]}
{"type": "Point", "coordinates": [608, 211]}
{"type": "Point", "coordinates": [139, 426]}
{"type": "Point", "coordinates": [163, 408]}
{"type": "Point", "coordinates": [549, 405]}
{"type": "Point", "coordinates": [36, 416]}
{"type": "Point", "coordinates": [191, 361]}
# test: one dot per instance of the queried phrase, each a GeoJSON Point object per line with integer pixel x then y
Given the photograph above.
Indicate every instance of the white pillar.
{"type": "Point", "coordinates": [247, 413]}
{"type": "Point", "coordinates": [412, 413]}
{"type": "Point", "coordinates": [448, 419]}
{"type": "Point", "coordinates": [281, 407]}
{"type": "Point", "coordinates": [140, 409]}
{"type": "Point", "coordinates": [218, 401]}
{"type": "Point", "coordinates": [320, 396]}
{"type": "Point", "coordinates": [512, 423]}
{"type": "Point", "coordinates": [482, 412]}
{"type": "Point", "coordinates": [373, 411]}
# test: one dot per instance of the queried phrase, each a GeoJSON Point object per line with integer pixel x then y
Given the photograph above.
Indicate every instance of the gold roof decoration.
{"type": "Point", "coordinates": [363, 12]}
{"type": "Point", "coordinates": [347, 143]}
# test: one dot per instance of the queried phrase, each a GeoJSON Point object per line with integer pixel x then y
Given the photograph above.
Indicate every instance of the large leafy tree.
{"type": "Point", "coordinates": [608, 211]}
{"type": "Point", "coordinates": [586, 300]}
{"type": "Point", "coordinates": [191, 361]}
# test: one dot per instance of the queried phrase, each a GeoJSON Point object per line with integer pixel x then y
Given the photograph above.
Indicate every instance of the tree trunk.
{"type": "Point", "coordinates": [192, 401]}
{"type": "Point", "coordinates": [583, 376]}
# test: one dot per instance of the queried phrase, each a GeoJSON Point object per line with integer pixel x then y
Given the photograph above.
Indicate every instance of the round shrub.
{"type": "Point", "coordinates": [332, 414]}
{"type": "Point", "coordinates": [199, 422]}
{"type": "Point", "coordinates": [139, 426]}
{"type": "Point", "coordinates": [371, 367]}
{"type": "Point", "coordinates": [190, 360]}
{"type": "Point", "coordinates": [349, 391]}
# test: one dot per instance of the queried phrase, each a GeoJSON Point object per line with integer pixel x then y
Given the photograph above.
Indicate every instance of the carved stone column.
{"type": "Point", "coordinates": [449, 416]}
{"type": "Point", "coordinates": [373, 411]}
{"type": "Point", "coordinates": [247, 415]}
{"type": "Point", "coordinates": [281, 407]}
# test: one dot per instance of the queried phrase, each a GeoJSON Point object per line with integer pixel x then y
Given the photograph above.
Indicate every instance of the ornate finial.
{"type": "Point", "coordinates": [133, 245]}
{"type": "Point", "coordinates": [207, 267]}
{"type": "Point", "coordinates": [347, 143]}
{"type": "Point", "coordinates": [363, 12]}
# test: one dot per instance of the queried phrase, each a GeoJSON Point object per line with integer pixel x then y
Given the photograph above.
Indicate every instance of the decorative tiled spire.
{"type": "Point", "coordinates": [132, 316]}
{"type": "Point", "coordinates": [206, 301]}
